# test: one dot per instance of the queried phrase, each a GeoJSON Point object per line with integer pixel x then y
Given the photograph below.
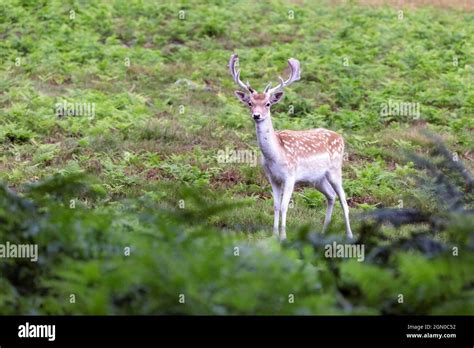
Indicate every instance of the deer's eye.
{"type": "Point", "coordinates": [250, 103]}
{"type": "Point", "coordinates": [267, 105]}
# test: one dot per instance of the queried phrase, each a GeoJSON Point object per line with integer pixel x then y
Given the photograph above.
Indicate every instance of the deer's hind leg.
{"type": "Point", "coordinates": [335, 179]}
{"type": "Point", "coordinates": [326, 189]}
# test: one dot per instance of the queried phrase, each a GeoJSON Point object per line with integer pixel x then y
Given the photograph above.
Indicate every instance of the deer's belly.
{"type": "Point", "coordinates": [312, 170]}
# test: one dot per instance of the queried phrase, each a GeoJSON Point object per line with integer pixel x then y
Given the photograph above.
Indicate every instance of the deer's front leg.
{"type": "Point", "coordinates": [288, 187]}
{"type": "Point", "coordinates": [276, 191]}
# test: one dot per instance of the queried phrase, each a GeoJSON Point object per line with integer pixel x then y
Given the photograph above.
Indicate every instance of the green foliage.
{"type": "Point", "coordinates": [141, 256]}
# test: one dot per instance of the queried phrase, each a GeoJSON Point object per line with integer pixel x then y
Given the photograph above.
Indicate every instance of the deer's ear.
{"type": "Point", "coordinates": [244, 98]}
{"type": "Point", "coordinates": [276, 97]}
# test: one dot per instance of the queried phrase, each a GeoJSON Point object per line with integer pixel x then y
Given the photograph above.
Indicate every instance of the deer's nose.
{"type": "Point", "coordinates": [256, 116]}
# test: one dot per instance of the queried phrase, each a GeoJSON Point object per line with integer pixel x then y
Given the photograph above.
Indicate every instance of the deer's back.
{"type": "Point", "coordinates": [309, 154]}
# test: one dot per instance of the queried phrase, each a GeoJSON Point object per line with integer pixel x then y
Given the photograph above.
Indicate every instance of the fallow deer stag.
{"type": "Point", "coordinates": [312, 157]}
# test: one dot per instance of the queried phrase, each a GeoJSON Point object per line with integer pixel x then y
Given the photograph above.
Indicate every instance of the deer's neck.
{"type": "Point", "coordinates": [267, 139]}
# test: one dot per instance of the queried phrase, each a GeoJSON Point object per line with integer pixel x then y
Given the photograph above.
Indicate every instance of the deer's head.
{"type": "Point", "coordinates": [260, 103]}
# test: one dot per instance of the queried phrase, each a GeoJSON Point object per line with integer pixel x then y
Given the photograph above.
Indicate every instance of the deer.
{"type": "Point", "coordinates": [306, 157]}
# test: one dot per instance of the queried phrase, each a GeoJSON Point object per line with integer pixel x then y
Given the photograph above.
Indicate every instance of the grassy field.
{"type": "Point", "coordinates": [139, 167]}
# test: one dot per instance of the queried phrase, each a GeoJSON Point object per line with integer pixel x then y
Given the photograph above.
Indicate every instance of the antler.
{"type": "Point", "coordinates": [294, 65]}
{"type": "Point", "coordinates": [236, 74]}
